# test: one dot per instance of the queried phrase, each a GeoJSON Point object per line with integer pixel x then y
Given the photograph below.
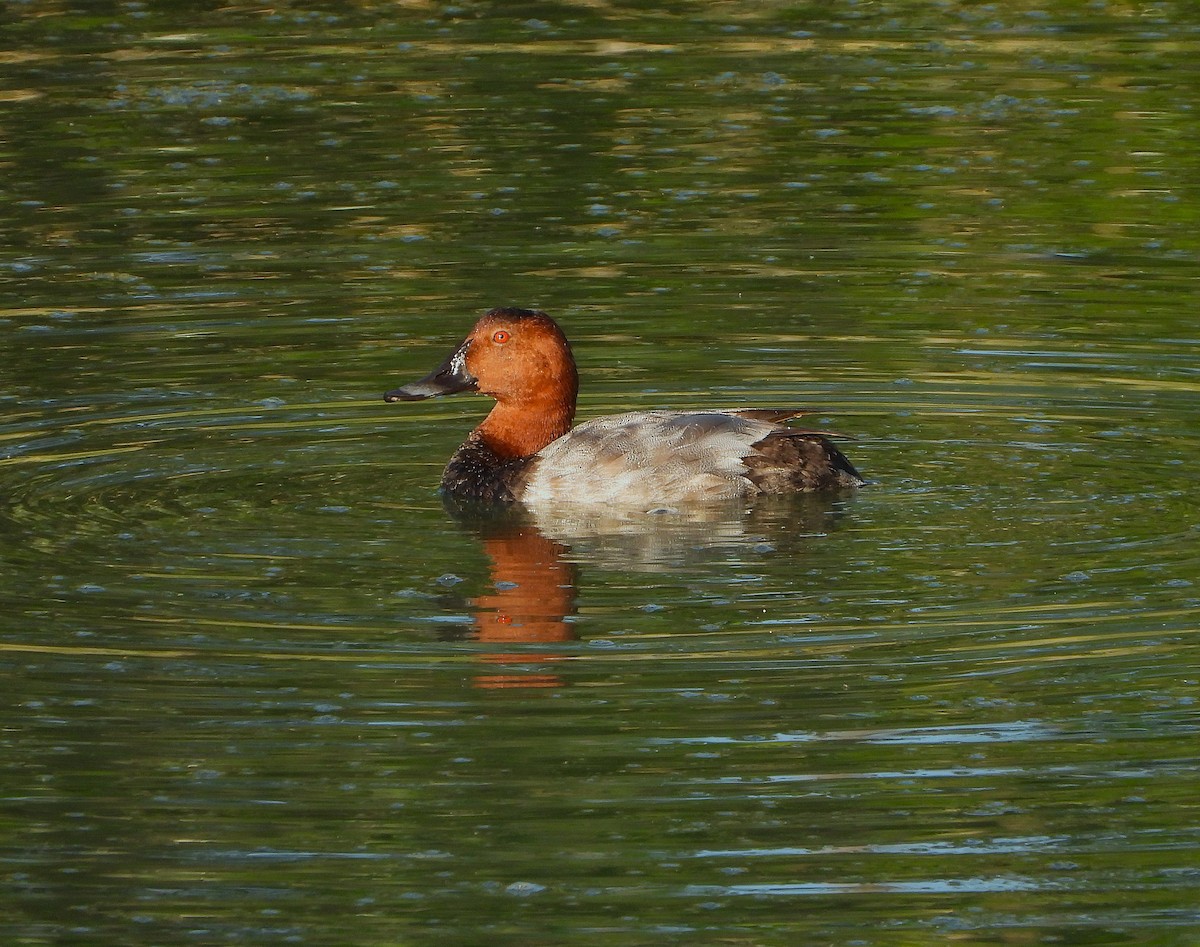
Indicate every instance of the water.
{"type": "Point", "coordinates": [262, 687]}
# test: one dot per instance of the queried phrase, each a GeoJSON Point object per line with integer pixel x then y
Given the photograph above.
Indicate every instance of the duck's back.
{"type": "Point", "coordinates": [666, 457]}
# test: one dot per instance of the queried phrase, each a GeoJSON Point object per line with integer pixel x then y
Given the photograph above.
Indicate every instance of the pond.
{"type": "Point", "coordinates": [262, 687]}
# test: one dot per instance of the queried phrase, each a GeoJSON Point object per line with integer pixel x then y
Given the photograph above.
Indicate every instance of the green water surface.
{"type": "Point", "coordinates": [260, 687]}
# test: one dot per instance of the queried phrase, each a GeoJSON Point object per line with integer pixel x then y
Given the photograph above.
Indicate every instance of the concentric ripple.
{"type": "Point", "coordinates": [922, 684]}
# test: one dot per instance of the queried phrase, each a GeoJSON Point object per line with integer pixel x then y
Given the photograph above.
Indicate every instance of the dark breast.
{"type": "Point", "coordinates": [476, 474]}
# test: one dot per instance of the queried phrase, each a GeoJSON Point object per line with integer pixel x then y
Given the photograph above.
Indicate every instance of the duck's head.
{"type": "Point", "coordinates": [521, 358]}
{"type": "Point", "coordinates": [510, 354]}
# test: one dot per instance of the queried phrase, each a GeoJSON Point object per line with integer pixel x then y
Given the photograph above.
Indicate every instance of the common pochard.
{"type": "Point", "coordinates": [526, 450]}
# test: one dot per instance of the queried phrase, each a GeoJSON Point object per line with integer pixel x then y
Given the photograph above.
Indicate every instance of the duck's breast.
{"type": "Point", "coordinates": [647, 457]}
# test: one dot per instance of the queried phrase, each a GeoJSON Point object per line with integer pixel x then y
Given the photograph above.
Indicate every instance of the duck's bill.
{"type": "Point", "coordinates": [448, 378]}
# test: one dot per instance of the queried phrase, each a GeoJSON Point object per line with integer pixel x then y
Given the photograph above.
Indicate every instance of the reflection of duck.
{"type": "Point", "coordinates": [534, 592]}
{"type": "Point", "coordinates": [534, 588]}
{"type": "Point", "coordinates": [666, 540]}
{"type": "Point", "coordinates": [533, 553]}
{"type": "Point", "coordinates": [526, 450]}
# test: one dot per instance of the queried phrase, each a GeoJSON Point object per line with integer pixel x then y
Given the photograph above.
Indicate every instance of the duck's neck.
{"type": "Point", "coordinates": [521, 428]}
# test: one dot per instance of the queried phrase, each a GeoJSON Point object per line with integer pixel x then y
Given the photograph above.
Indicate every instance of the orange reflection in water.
{"type": "Point", "coordinates": [534, 593]}
{"type": "Point", "coordinates": [536, 584]}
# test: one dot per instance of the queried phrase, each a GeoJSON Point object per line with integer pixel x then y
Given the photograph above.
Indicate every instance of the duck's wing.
{"type": "Point", "coordinates": [651, 457]}
{"type": "Point", "coordinates": [771, 415]}
{"type": "Point", "coordinates": [662, 458]}
{"type": "Point", "coordinates": [780, 415]}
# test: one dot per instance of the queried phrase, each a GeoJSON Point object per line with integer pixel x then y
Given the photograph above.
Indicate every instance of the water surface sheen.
{"type": "Point", "coordinates": [261, 687]}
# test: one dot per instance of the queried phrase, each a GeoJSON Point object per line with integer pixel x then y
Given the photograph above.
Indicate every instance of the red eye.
{"type": "Point", "coordinates": [500, 336]}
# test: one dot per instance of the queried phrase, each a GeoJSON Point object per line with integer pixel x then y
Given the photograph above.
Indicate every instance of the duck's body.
{"type": "Point", "coordinates": [525, 450]}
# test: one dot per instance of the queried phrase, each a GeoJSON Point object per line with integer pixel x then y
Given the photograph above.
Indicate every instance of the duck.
{"type": "Point", "coordinates": [526, 450]}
